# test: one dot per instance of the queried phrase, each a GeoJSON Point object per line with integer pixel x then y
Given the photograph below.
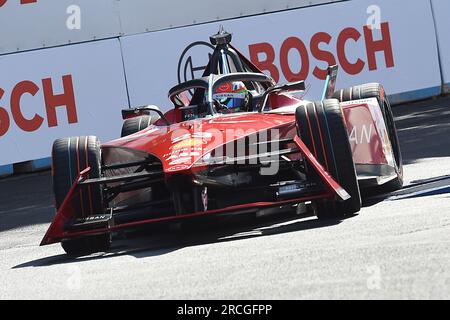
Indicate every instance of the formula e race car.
{"type": "Point", "coordinates": [234, 142]}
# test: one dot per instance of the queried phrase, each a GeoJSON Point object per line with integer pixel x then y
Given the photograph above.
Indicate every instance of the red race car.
{"type": "Point", "coordinates": [235, 142]}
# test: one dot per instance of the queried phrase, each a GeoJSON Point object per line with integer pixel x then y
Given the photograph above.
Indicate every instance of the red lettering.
{"type": "Point", "coordinates": [66, 99]}
{"type": "Point", "coordinates": [318, 46]}
{"type": "Point", "coordinates": [288, 45]}
{"type": "Point", "coordinates": [384, 45]}
{"type": "Point", "coordinates": [19, 90]}
{"type": "Point", "coordinates": [321, 55]}
{"type": "Point", "coordinates": [4, 118]}
{"type": "Point", "coordinates": [52, 101]}
{"type": "Point", "coordinates": [268, 63]}
{"type": "Point", "coordinates": [2, 2]}
{"type": "Point", "coordinates": [344, 36]}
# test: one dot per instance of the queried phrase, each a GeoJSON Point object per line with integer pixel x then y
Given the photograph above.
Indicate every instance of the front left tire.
{"type": "Point", "coordinates": [69, 157]}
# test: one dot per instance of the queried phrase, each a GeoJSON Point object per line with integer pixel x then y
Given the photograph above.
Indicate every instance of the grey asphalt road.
{"type": "Point", "coordinates": [394, 249]}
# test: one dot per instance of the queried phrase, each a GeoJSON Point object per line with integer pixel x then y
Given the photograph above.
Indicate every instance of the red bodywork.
{"type": "Point", "coordinates": [365, 128]}
{"type": "Point", "coordinates": [186, 148]}
{"type": "Point", "coordinates": [189, 137]}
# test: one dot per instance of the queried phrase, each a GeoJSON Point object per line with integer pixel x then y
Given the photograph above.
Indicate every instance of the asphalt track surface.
{"type": "Point", "coordinates": [397, 247]}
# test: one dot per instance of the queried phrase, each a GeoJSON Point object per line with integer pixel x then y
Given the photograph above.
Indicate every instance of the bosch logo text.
{"type": "Point", "coordinates": [31, 120]}
{"type": "Point", "coordinates": [264, 54]}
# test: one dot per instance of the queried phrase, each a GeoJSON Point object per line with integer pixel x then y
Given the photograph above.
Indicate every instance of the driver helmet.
{"type": "Point", "coordinates": [234, 96]}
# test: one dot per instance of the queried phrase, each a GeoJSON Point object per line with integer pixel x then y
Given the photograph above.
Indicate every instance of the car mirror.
{"type": "Point", "coordinates": [289, 87]}
{"type": "Point", "coordinates": [297, 86]}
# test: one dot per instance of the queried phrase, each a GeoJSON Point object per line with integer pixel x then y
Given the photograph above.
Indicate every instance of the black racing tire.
{"type": "Point", "coordinates": [69, 157]}
{"type": "Point", "coordinates": [137, 124]}
{"type": "Point", "coordinates": [87, 245]}
{"type": "Point", "coordinates": [321, 127]}
{"type": "Point", "coordinates": [376, 90]}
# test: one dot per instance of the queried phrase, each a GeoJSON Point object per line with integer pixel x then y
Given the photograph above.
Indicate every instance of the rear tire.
{"type": "Point", "coordinates": [137, 124]}
{"type": "Point", "coordinates": [376, 90]}
{"type": "Point", "coordinates": [69, 157]}
{"type": "Point", "coordinates": [322, 129]}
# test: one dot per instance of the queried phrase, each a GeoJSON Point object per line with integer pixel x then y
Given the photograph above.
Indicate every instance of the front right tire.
{"type": "Point", "coordinates": [321, 127]}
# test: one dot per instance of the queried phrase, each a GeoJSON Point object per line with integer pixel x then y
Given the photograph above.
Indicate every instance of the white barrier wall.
{"type": "Point", "coordinates": [142, 15]}
{"type": "Point", "coordinates": [34, 24]}
{"type": "Point", "coordinates": [59, 92]}
{"type": "Point", "coordinates": [299, 44]}
{"type": "Point", "coordinates": [441, 9]}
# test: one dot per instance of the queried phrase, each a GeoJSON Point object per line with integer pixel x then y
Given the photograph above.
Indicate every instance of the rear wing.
{"type": "Point", "coordinates": [330, 82]}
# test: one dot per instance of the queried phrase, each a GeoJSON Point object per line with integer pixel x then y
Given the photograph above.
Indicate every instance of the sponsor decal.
{"type": "Point", "coordinates": [97, 217]}
{"type": "Point", "coordinates": [178, 168]}
{"type": "Point", "coordinates": [180, 161]}
{"type": "Point", "coordinates": [199, 134]}
{"type": "Point", "coordinates": [188, 143]}
{"type": "Point", "coordinates": [362, 134]}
